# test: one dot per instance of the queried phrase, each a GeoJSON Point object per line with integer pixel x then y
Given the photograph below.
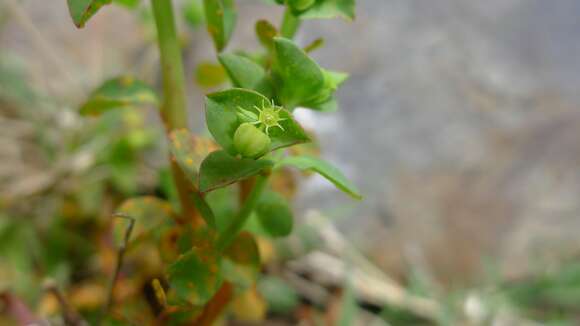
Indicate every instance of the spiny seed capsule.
{"type": "Point", "coordinates": [250, 141]}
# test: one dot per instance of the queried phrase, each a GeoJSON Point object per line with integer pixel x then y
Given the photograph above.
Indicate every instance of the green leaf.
{"type": "Point", "coordinates": [82, 10]}
{"type": "Point", "coordinates": [281, 298]}
{"type": "Point", "coordinates": [195, 276]}
{"type": "Point", "coordinates": [189, 151]}
{"type": "Point", "coordinates": [331, 105]}
{"type": "Point", "coordinates": [274, 214]}
{"type": "Point", "coordinates": [245, 73]}
{"type": "Point", "coordinates": [129, 4]}
{"type": "Point", "coordinates": [221, 18]}
{"type": "Point", "coordinates": [209, 74]}
{"type": "Point", "coordinates": [241, 261]}
{"type": "Point", "coordinates": [224, 203]}
{"type": "Point", "coordinates": [223, 120]}
{"type": "Point", "coordinates": [147, 211]}
{"type": "Point", "coordinates": [297, 77]}
{"type": "Point", "coordinates": [323, 168]}
{"type": "Point", "coordinates": [120, 92]}
{"type": "Point", "coordinates": [314, 45]}
{"type": "Point", "coordinates": [324, 100]}
{"type": "Point", "coordinates": [266, 33]}
{"type": "Point", "coordinates": [220, 169]}
{"type": "Point", "coordinates": [330, 9]}
{"type": "Point", "coordinates": [300, 5]}
{"type": "Point", "coordinates": [193, 13]}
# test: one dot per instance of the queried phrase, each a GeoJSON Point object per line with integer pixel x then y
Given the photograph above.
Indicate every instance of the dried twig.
{"type": "Point", "coordinates": [120, 255]}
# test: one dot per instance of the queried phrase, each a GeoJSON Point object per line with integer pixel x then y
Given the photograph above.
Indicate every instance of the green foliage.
{"type": "Point", "coordinates": [330, 9]}
{"type": "Point", "coordinates": [189, 151]}
{"type": "Point", "coordinates": [148, 213]}
{"type": "Point", "coordinates": [246, 73]}
{"type": "Point", "coordinates": [82, 10]}
{"type": "Point", "coordinates": [266, 33]}
{"type": "Point", "coordinates": [219, 169]}
{"type": "Point", "coordinates": [120, 92]}
{"type": "Point", "coordinates": [195, 276]}
{"type": "Point", "coordinates": [223, 119]}
{"type": "Point", "coordinates": [298, 78]}
{"type": "Point", "coordinates": [299, 81]}
{"type": "Point", "coordinates": [130, 4]}
{"type": "Point", "coordinates": [323, 168]}
{"type": "Point", "coordinates": [280, 296]}
{"type": "Point", "coordinates": [209, 74]}
{"type": "Point", "coordinates": [252, 125]}
{"type": "Point", "coordinates": [221, 18]}
{"type": "Point", "coordinates": [275, 215]}
{"type": "Point", "coordinates": [193, 12]}
{"type": "Point", "coordinates": [241, 261]}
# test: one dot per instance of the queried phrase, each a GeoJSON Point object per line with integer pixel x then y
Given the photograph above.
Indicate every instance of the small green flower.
{"type": "Point", "coordinates": [268, 116]}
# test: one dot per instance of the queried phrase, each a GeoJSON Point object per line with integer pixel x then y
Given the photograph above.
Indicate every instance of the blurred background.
{"type": "Point", "coordinates": [460, 123]}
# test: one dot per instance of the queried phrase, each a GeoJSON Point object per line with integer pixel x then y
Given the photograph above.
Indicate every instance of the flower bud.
{"type": "Point", "coordinates": [250, 141]}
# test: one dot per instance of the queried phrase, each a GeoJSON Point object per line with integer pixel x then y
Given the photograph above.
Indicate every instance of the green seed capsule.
{"type": "Point", "coordinates": [250, 141]}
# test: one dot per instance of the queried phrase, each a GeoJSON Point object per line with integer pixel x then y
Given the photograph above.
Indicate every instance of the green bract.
{"type": "Point", "coordinates": [300, 81]}
{"type": "Point", "coordinates": [223, 119]}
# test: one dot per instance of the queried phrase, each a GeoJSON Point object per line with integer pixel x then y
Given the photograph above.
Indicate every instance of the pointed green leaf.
{"type": "Point", "coordinates": [241, 261]}
{"type": "Point", "coordinates": [245, 73]}
{"type": "Point", "coordinates": [221, 18]}
{"type": "Point", "coordinates": [195, 276]}
{"type": "Point", "coordinates": [323, 168]}
{"type": "Point", "coordinates": [297, 77]}
{"type": "Point", "coordinates": [274, 214]}
{"type": "Point", "coordinates": [222, 119]}
{"type": "Point", "coordinates": [219, 169]}
{"type": "Point", "coordinates": [82, 10]}
{"type": "Point", "coordinates": [149, 212]}
{"type": "Point", "coordinates": [266, 33]}
{"type": "Point", "coordinates": [314, 45]}
{"type": "Point", "coordinates": [330, 9]}
{"type": "Point", "coordinates": [120, 92]}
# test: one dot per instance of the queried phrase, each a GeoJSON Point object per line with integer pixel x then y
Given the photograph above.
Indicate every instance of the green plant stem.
{"type": "Point", "coordinates": [173, 110]}
{"type": "Point", "coordinates": [290, 24]}
{"type": "Point", "coordinates": [234, 228]}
